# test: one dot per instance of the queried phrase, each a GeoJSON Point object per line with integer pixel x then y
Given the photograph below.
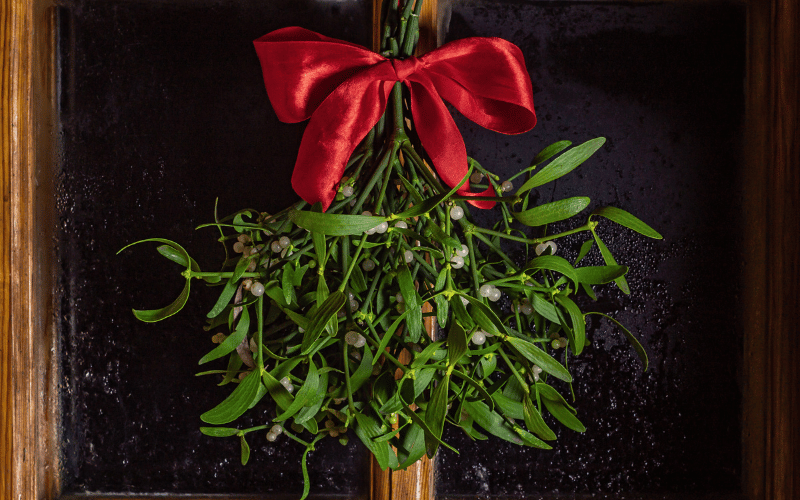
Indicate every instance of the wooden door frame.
{"type": "Point", "coordinates": [770, 286]}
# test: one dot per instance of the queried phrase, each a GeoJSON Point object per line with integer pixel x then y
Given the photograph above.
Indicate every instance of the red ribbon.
{"type": "Point", "coordinates": [344, 88]}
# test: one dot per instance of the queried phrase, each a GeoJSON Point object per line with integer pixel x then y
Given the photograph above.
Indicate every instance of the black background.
{"type": "Point", "coordinates": [163, 110]}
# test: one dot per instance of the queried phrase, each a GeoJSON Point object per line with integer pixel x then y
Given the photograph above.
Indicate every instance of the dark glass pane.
{"type": "Point", "coordinates": [664, 83]}
{"type": "Point", "coordinates": [163, 109]}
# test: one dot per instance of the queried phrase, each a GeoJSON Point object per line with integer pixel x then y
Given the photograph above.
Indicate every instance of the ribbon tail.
{"type": "Point", "coordinates": [441, 138]}
{"type": "Point", "coordinates": [324, 150]}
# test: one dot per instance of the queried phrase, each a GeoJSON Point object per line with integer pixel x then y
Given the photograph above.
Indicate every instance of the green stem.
{"type": "Point", "coordinates": [352, 264]}
{"type": "Point", "coordinates": [517, 375]}
{"type": "Point", "coordinates": [346, 362]}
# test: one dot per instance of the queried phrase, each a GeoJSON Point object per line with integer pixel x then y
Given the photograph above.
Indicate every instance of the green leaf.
{"type": "Point", "coordinates": [153, 315]}
{"type": "Point", "coordinates": [628, 220]}
{"type": "Point", "coordinates": [557, 408]}
{"type": "Point", "coordinates": [475, 385]}
{"type": "Point", "coordinates": [456, 344]}
{"type": "Point", "coordinates": [535, 355]}
{"type": "Point", "coordinates": [357, 281]}
{"type": "Point", "coordinates": [224, 299]}
{"type": "Point", "coordinates": [563, 165]}
{"type": "Point", "coordinates": [413, 302]}
{"type": "Point", "coordinates": [587, 245]}
{"type": "Point", "coordinates": [552, 212]}
{"type": "Point", "coordinates": [286, 284]}
{"type": "Point", "coordinates": [633, 341]}
{"type": "Point", "coordinates": [550, 151]}
{"type": "Point", "coordinates": [235, 404]}
{"type": "Point", "coordinates": [334, 224]}
{"type": "Point", "coordinates": [421, 208]}
{"type": "Point", "coordinates": [329, 308]}
{"type": "Point", "coordinates": [366, 430]}
{"type": "Point", "coordinates": [388, 335]}
{"type": "Point", "coordinates": [245, 450]}
{"type": "Point", "coordinates": [621, 282]}
{"type": "Point", "coordinates": [544, 308]}
{"type": "Point", "coordinates": [435, 413]}
{"type": "Point", "coordinates": [363, 372]}
{"type": "Point", "coordinates": [234, 364]}
{"type": "Point", "coordinates": [438, 235]}
{"type": "Point", "coordinates": [485, 317]}
{"type": "Point", "coordinates": [412, 446]}
{"type": "Point", "coordinates": [429, 434]}
{"type": "Point", "coordinates": [232, 341]}
{"type": "Point", "coordinates": [219, 431]}
{"type": "Point", "coordinates": [534, 421]}
{"type": "Point", "coordinates": [598, 275]}
{"type": "Point", "coordinates": [553, 263]}
{"type": "Point", "coordinates": [306, 393]}
{"type": "Point", "coordinates": [577, 320]}
{"type": "Point", "coordinates": [494, 424]}
{"type": "Point", "coordinates": [239, 223]}
{"type": "Point", "coordinates": [278, 392]}
{"type": "Point", "coordinates": [177, 257]}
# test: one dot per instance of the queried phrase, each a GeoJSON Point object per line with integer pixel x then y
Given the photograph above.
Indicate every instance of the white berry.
{"type": "Point", "coordinates": [257, 289]}
{"type": "Point", "coordinates": [456, 213]}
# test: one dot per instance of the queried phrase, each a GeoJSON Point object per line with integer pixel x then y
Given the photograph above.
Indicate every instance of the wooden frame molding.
{"type": "Point", "coordinates": [771, 274]}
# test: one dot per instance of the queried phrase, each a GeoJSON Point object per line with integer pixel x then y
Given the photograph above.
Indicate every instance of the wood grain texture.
{"type": "Point", "coordinates": [772, 272]}
{"type": "Point", "coordinates": [771, 275]}
{"type": "Point", "coordinates": [8, 12]}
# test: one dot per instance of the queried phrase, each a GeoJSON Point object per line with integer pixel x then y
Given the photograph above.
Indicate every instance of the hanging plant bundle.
{"type": "Point", "coordinates": [374, 305]}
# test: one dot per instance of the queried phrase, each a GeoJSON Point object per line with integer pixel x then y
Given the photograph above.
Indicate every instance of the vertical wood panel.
{"type": "Point", "coordinates": [772, 272]}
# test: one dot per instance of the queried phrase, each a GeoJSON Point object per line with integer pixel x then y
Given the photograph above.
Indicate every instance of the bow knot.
{"type": "Point", "coordinates": [329, 81]}
{"type": "Point", "coordinates": [403, 68]}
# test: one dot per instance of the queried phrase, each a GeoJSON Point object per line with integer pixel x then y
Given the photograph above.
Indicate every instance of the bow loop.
{"type": "Point", "coordinates": [329, 81]}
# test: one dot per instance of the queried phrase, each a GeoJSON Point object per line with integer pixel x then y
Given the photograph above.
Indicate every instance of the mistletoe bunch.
{"type": "Point", "coordinates": [382, 315]}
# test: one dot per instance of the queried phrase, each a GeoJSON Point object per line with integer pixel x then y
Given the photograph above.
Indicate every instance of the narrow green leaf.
{"type": "Point", "coordinates": [563, 415]}
{"type": "Point", "coordinates": [219, 431]}
{"type": "Point", "coordinates": [278, 392]}
{"type": "Point", "coordinates": [178, 257]}
{"type": "Point", "coordinates": [621, 282]}
{"type": "Point", "coordinates": [541, 358]}
{"type": "Point", "coordinates": [633, 341]}
{"type": "Point", "coordinates": [440, 236]}
{"type": "Point", "coordinates": [429, 434]}
{"type": "Point", "coordinates": [235, 404]}
{"type": "Point", "coordinates": [587, 245]}
{"type": "Point", "coordinates": [563, 165]}
{"type": "Point", "coordinates": [412, 447]}
{"type": "Point", "coordinates": [388, 336]}
{"type": "Point", "coordinates": [232, 341]}
{"type": "Point", "coordinates": [485, 317]}
{"type": "Point", "coordinates": [329, 308]}
{"type": "Point", "coordinates": [413, 302]}
{"type": "Point", "coordinates": [366, 430]}
{"type": "Point", "coordinates": [435, 413]}
{"type": "Point", "coordinates": [287, 287]}
{"type": "Point", "coordinates": [363, 372]}
{"type": "Point", "coordinates": [153, 315]}
{"type": "Point", "coordinates": [628, 220]}
{"type": "Point", "coordinates": [550, 151]}
{"type": "Point", "coordinates": [553, 263]}
{"type": "Point", "coordinates": [599, 275]}
{"type": "Point", "coordinates": [306, 393]}
{"type": "Point", "coordinates": [421, 208]}
{"type": "Point", "coordinates": [544, 308]}
{"type": "Point", "coordinates": [475, 385]}
{"type": "Point", "coordinates": [456, 344]}
{"type": "Point", "coordinates": [224, 299]}
{"type": "Point", "coordinates": [334, 224]}
{"type": "Point", "coordinates": [494, 424]}
{"type": "Point", "coordinates": [577, 320]}
{"type": "Point", "coordinates": [534, 421]}
{"type": "Point", "coordinates": [552, 212]}
{"type": "Point", "coordinates": [245, 450]}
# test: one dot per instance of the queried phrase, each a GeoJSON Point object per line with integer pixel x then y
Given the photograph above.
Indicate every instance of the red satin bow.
{"type": "Point", "coordinates": [344, 88]}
